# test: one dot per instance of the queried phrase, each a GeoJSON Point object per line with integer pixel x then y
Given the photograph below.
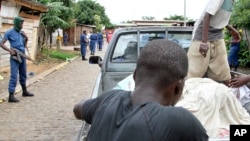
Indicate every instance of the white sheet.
{"type": "Point", "coordinates": [214, 105]}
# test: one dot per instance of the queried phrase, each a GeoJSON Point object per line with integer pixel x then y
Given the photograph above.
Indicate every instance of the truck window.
{"type": "Point", "coordinates": [182, 38]}
{"type": "Point", "coordinates": [126, 48]}
{"type": "Point", "coordinates": [146, 37]}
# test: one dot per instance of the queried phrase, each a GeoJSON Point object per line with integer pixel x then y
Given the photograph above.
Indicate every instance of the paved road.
{"type": "Point", "coordinates": [48, 116]}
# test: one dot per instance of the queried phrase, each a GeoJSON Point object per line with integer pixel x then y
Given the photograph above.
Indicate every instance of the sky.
{"type": "Point", "coordinates": [124, 10]}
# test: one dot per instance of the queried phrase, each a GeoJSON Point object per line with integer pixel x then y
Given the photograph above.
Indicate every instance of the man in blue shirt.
{"type": "Point", "coordinates": [17, 40]}
{"type": "Point", "coordinates": [100, 40]}
{"type": "Point", "coordinates": [84, 43]}
{"type": "Point", "coordinates": [93, 41]}
{"type": "Point", "coordinates": [65, 38]}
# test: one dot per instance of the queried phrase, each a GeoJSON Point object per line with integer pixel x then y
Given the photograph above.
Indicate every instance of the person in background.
{"type": "Point", "coordinates": [88, 37]}
{"type": "Point", "coordinates": [65, 38]}
{"type": "Point", "coordinates": [18, 40]}
{"type": "Point", "coordinates": [207, 53]}
{"type": "Point", "coordinates": [100, 41]}
{"type": "Point", "coordinates": [93, 41]}
{"type": "Point", "coordinates": [109, 37]}
{"type": "Point", "coordinates": [84, 43]}
{"type": "Point", "coordinates": [106, 36]}
{"type": "Point", "coordinates": [233, 57]}
{"type": "Point", "coordinates": [148, 113]}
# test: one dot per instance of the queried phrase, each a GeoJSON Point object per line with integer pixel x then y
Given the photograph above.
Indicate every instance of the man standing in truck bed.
{"type": "Point", "coordinates": [207, 54]}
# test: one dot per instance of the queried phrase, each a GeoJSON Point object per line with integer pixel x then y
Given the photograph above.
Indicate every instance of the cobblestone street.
{"type": "Point", "coordinates": [48, 116]}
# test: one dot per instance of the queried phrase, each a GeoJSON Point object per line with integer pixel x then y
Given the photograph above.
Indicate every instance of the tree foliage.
{"type": "Point", "coordinates": [86, 10]}
{"type": "Point", "coordinates": [52, 19]}
{"type": "Point", "coordinates": [241, 14]}
{"type": "Point", "coordinates": [98, 24]}
{"type": "Point", "coordinates": [241, 19]}
{"type": "Point", "coordinates": [175, 17]}
{"type": "Point", "coordinates": [59, 14]}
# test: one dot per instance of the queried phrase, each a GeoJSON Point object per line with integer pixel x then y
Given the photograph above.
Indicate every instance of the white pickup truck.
{"type": "Point", "coordinates": [121, 56]}
{"type": "Point", "coordinates": [123, 50]}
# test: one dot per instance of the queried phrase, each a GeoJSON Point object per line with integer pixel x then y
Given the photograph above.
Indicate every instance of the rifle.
{"type": "Point", "coordinates": [19, 54]}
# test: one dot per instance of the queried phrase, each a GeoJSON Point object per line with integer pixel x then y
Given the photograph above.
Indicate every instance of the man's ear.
{"type": "Point", "coordinates": [179, 87]}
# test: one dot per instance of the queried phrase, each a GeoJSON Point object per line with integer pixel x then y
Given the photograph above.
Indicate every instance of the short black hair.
{"type": "Point", "coordinates": [162, 61]}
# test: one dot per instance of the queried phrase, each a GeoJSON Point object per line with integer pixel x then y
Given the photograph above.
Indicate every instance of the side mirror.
{"type": "Point", "coordinates": [95, 60]}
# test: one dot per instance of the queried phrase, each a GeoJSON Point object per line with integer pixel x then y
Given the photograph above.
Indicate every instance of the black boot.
{"type": "Point", "coordinates": [12, 98]}
{"type": "Point", "coordinates": [84, 59]}
{"type": "Point", "coordinates": [25, 92]}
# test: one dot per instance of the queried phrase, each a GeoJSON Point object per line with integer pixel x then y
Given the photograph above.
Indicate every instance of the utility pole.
{"type": "Point", "coordinates": [184, 12]}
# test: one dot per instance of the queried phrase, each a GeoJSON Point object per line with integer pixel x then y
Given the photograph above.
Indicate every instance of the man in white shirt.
{"type": "Point", "coordinates": [207, 54]}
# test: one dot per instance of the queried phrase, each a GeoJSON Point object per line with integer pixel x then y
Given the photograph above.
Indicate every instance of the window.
{"type": "Point", "coordinates": [182, 38]}
{"type": "Point", "coordinates": [127, 47]}
{"type": "Point", "coordinates": [146, 37]}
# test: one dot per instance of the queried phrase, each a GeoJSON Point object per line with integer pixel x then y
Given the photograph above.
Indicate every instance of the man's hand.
{"type": "Point", "coordinates": [239, 81]}
{"type": "Point", "coordinates": [12, 52]}
{"type": "Point", "coordinates": [236, 35]}
{"type": "Point", "coordinates": [203, 49]}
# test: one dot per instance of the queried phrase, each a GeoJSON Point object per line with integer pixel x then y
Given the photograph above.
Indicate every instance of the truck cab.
{"type": "Point", "coordinates": [125, 47]}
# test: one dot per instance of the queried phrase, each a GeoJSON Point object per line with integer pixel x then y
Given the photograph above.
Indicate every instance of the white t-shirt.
{"type": "Point", "coordinates": [221, 11]}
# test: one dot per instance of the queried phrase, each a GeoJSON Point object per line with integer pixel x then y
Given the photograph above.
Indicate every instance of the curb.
{"type": "Point", "coordinates": [4, 96]}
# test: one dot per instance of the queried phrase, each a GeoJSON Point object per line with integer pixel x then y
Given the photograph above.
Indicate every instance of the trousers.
{"type": "Point", "coordinates": [15, 69]}
{"type": "Point", "coordinates": [83, 49]}
{"type": "Point", "coordinates": [92, 45]}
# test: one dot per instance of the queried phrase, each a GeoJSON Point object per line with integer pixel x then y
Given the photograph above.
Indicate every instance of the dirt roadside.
{"type": "Point", "coordinates": [33, 68]}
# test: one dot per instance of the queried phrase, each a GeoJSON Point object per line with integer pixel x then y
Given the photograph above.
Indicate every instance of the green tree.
{"type": "Point", "coordinates": [241, 14]}
{"type": "Point", "coordinates": [86, 10]}
{"type": "Point", "coordinates": [98, 24]}
{"type": "Point", "coordinates": [175, 17]}
{"type": "Point", "coordinates": [241, 18]}
{"type": "Point", "coordinates": [67, 14]}
{"type": "Point", "coordinates": [53, 19]}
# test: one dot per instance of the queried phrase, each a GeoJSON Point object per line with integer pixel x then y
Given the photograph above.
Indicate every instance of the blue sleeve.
{"type": "Point", "coordinates": [7, 35]}
{"type": "Point", "coordinates": [81, 38]}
